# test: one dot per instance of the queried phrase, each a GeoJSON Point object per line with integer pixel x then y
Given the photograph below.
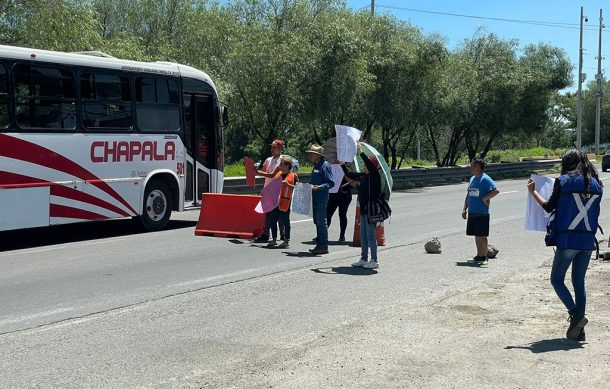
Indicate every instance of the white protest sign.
{"type": "Point", "coordinates": [535, 217]}
{"type": "Point", "coordinates": [347, 139]}
{"type": "Point", "coordinates": [337, 177]}
{"type": "Point", "coordinates": [301, 199]}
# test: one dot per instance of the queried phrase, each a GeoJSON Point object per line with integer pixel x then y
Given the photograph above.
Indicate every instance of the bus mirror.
{"type": "Point", "coordinates": [225, 116]}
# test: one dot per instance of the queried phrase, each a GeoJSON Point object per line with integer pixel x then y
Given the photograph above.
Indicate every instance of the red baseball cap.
{"type": "Point", "coordinates": [277, 143]}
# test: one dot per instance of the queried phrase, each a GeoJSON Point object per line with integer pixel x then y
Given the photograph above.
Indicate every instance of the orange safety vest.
{"type": "Point", "coordinates": [286, 191]}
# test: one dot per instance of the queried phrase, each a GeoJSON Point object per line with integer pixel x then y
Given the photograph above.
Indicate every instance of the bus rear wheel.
{"type": "Point", "coordinates": [157, 206]}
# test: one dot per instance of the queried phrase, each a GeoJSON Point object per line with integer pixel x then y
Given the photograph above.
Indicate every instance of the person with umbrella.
{"type": "Point", "coordinates": [321, 180]}
{"type": "Point", "coordinates": [369, 188]}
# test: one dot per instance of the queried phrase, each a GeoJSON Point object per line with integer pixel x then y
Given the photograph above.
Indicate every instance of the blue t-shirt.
{"type": "Point", "coordinates": [478, 188]}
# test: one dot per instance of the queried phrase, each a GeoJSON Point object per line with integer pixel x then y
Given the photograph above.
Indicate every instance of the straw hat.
{"type": "Point", "coordinates": [316, 149]}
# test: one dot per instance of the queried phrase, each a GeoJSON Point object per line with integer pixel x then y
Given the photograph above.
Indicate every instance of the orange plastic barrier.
{"type": "Point", "coordinates": [229, 216]}
{"type": "Point", "coordinates": [379, 231]}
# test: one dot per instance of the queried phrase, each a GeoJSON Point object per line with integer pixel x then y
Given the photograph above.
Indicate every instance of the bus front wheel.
{"type": "Point", "coordinates": [157, 206]}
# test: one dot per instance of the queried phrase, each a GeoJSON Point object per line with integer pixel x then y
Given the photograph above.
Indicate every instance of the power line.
{"type": "Point", "coordinates": [572, 26]}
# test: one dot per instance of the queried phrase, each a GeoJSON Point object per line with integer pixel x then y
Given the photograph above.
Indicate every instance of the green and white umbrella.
{"type": "Point", "coordinates": [384, 168]}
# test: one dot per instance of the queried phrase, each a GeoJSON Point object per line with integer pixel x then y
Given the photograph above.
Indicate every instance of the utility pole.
{"type": "Point", "coordinates": [373, 7]}
{"type": "Point", "coordinates": [579, 96]}
{"type": "Point", "coordinates": [598, 78]}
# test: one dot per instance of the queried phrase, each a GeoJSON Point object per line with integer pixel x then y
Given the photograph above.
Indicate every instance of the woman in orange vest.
{"type": "Point", "coordinates": [281, 213]}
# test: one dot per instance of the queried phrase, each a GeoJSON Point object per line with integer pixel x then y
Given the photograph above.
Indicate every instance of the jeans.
{"type": "Point", "coordinates": [580, 262]}
{"type": "Point", "coordinates": [367, 239]}
{"type": "Point", "coordinates": [319, 219]}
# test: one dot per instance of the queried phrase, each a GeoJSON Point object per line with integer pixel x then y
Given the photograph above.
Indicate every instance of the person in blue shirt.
{"type": "Point", "coordinates": [576, 198]}
{"type": "Point", "coordinates": [321, 181]}
{"type": "Point", "coordinates": [481, 190]}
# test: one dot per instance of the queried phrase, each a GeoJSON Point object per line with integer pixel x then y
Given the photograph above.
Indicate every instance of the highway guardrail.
{"type": "Point", "coordinates": [417, 177]}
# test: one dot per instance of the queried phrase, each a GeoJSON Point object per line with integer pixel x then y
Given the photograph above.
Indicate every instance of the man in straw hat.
{"type": "Point", "coordinates": [321, 181]}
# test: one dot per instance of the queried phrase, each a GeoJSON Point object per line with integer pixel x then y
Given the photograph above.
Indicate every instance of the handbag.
{"type": "Point", "coordinates": [378, 209]}
{"type": "Point", "coordinates": [551, 230]}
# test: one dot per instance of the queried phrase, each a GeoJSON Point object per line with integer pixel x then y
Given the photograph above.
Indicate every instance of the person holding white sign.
{"type": "Point", "coordinates": [576, 201]}
{"type": "Point", "coordinates": [340, 199]}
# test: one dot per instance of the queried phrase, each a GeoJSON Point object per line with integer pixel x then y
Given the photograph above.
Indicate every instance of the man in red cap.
{"type": "Point", "coordinates": [270, 168]}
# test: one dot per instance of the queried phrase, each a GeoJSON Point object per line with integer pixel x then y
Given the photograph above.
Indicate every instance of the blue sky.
{"type": "Point", "coordinates": [564, 13]}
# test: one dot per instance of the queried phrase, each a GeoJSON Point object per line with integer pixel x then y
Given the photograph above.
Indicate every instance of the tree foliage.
{"type": "Point", "coordinates": [295, 68]}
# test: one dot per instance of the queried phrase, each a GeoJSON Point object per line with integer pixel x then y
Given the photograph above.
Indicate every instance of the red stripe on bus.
{"type": "Point", "coordinates": [57, 210]}
{"type": "Point", "coordinates": [30, 152]}
{"type": "Point", "coordinates": [16, 181]}
{"type": "Point", "coordinates": [67, 192]}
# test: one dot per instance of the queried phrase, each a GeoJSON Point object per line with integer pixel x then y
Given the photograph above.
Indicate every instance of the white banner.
{"type": "Point", "coordinates": [535, 217]}
{"type": "Point", "coordinates": [337, 177]}
{"type": "Point", "coordinates": [347, 139]}
{"type": "Point", "coordinates": [301, 199]}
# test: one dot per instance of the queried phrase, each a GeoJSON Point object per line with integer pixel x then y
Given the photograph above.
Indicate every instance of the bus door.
{"type": "Point", "coordinates": [203, 147]}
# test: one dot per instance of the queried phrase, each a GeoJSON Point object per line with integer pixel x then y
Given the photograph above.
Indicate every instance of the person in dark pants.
{"type": "Point", "coordinates": [281, 214]}
{"type": "Point", "coordinates": [269, 170]}
{"type": "Point", "coordinates": [341, 200]}
{"type": "Point", "coordinates": [576, 201]}
{"type": "Point", "coordinates": [481, 190]}
{"type": "Point", "coordinates": [321, 180]}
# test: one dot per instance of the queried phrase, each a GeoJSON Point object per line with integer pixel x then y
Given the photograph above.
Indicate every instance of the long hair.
{"type": "Point", "coordinates": [574, 161]}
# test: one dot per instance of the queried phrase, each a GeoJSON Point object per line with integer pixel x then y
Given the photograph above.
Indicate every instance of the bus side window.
{"type": "Point", "coordinates": [44, 97]}
{"type": "Point", "coordinates": [106, 101]}
{"type": "Point", "coordinates": [4, 116]}
{"type": "Point", "coordinates": [157, 104]}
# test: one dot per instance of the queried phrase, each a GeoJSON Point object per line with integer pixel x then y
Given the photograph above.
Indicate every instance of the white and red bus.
{"type": "Point", "coordinates": [85, 136]}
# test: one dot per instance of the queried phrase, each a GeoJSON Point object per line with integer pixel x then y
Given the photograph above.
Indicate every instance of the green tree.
{"type": "Point", "coordinates": [61, 25]}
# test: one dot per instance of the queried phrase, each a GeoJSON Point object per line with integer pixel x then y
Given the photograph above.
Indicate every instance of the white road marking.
{"type": "Point", "coordinates": [510, 191]}
{"type": "Point", "coordinates": [34, 316]}
{"type": "Point", "coordinates": [300, 221]}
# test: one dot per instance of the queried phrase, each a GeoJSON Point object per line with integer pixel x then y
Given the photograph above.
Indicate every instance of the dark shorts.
{"type": "Point", "coordinates": [477, 225]}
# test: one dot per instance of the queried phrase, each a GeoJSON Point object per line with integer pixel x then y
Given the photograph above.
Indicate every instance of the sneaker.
{"type": "Point", "coordinates": [261, 239]}
{"type": "Point", "coordinates": [342, 238]}
{"type": "Point", "coordinates": [284, 245]}
{"type": "Point", "coordinates": [360, 263]}
{"type": "Point", "coordinates": [582, 337]}
{"type": "Point", "coordinates": [319, 250]}
{"type": "Point", "coordinates": [373, 264]}
{"type": "Point", "coordinates": [577, 323]}
{"type": "Point", "coordinates": [473, 259]}
{"type": "Point", "coordinates": [481, 261]}
{"type": "Point", "coordinates": [272, 243]}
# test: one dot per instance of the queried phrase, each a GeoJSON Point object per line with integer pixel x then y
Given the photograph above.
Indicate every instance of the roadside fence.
{"type": "Point", "coordinates": [420, 176]}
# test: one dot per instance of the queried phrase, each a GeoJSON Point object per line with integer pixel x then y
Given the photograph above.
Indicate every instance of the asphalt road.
{"type": "Point", "coordinates": [103, 305]}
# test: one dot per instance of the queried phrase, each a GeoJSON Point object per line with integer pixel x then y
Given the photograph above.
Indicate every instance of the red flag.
{"type": "Point", "coordinates": [250, 172]}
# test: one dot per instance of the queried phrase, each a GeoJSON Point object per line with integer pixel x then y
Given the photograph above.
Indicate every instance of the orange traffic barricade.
{"type": "Point", "coordinates": [229, 216]}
